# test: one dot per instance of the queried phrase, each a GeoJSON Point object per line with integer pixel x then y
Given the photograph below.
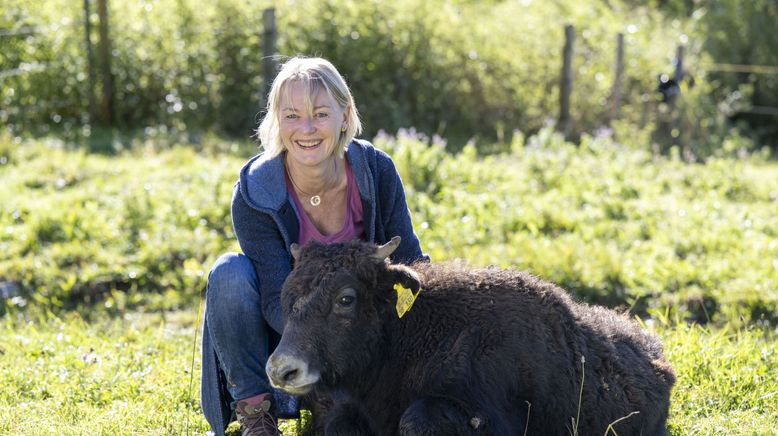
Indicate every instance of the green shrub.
{"type": "Point", "coordinates": [613, 225]}
{"type": "Point", "coordinates": [457, 69]}
{"type": "Point", "coordinates": [145, 227]}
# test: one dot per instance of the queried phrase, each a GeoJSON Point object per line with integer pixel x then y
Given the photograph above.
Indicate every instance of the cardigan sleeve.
{"type": "Point", "coordinates": [261, 240]}
{"type": "Point", "coordinates": [394, 214]}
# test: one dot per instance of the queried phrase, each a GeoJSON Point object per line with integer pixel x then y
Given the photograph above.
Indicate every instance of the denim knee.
{"type": "Point", "coordinates": [232, 278]}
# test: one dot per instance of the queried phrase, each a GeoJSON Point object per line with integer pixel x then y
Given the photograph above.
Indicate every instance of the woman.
{"type": "Point", "coordinates": [313, 181]}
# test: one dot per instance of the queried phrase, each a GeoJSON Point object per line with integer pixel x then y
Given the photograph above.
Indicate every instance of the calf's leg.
{"type": "Point", "coordinates": [346, 419]}
{"type": "Point", "coordinates": [430, 416]}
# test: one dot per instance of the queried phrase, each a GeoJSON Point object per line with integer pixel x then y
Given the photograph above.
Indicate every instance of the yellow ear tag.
{"type": "Point", "coordinates": [405, 299]}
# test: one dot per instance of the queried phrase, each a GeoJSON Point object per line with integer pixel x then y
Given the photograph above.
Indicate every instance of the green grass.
{"type": "Point", "coordinates": [106, 257]}
{"type": "Point", "coordinates": [727, 380]}
{"type": "Point", "coordinates": [614, 225]}
{"type": "Point", "coordinates": [132, 374]}
{"type": "Point", "coordinates": [125, 375]}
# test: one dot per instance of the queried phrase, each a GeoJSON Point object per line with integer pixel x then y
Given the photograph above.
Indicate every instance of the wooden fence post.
{"type": "Point", "coordinates": [566, 86]}
{"type": "Point", "coordinates": [679, 71]}
{"type": "Point", "coordinates": [678, 130]}
{"type": "Point", "coordinates": [269, 53]}
{"type": "Point", "coordinates": [668, 129]}
{"type": "Point", "coordinates": [618, 78]}
{"type": "Point", "coordinates": [104, 50]}
{"type": "Point", "coordinates": [90, 63]}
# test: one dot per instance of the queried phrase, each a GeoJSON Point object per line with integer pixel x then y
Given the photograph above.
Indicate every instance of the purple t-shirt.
{"type": "Point", "coordinates": [354, 225]}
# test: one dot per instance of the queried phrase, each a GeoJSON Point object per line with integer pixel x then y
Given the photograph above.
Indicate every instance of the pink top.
{"type": "Point", "coordinates": [354, 225]}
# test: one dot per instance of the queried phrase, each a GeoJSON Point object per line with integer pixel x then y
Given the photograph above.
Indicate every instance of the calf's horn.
{"type": "Point", "coordinates": [295, 250]}
{"type": "Point", "coordinates": [387, 249]}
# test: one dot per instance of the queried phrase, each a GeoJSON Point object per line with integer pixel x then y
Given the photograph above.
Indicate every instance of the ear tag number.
{"type": "Point", "coordinates": [405, 299]}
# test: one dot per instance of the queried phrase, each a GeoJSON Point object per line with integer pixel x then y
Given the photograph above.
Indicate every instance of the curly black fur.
{"type": "Point", "coordinates": [482, 351]}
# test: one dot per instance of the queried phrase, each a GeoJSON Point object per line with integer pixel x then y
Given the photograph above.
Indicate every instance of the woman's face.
{"type": "Point", "coordinates": [309, 138]}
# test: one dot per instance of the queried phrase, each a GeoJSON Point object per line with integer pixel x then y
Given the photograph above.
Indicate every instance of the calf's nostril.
{"type": "Point", "coordinates": [289, 374]}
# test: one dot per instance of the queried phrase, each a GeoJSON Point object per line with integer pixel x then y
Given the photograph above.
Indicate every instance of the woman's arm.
{"type": "Point", "coordinates": [394, 213]}
{"type": "Point", "coordinates": [260, 239]}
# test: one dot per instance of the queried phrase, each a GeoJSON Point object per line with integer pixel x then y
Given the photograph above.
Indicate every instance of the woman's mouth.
{"type": "Point", "coordinates": [308, 144]}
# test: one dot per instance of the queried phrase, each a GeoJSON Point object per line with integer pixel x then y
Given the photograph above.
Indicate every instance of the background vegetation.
{"type": "Point", "coordinates": [459, 69]}
{"type": "Point", "coordinates": [104, 260]}
{"type": "Point", "coordinates": [614, 225]}
{"type": "Point", "coordinates": [107, 232]}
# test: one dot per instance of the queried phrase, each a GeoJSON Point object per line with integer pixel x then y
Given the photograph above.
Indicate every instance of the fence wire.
{"type": "Point", "coordinates": [24, 68]}
{"type": "Point", "coordinates": [32, 30]}
{"type": "Point", "coordinates": [741, 68]}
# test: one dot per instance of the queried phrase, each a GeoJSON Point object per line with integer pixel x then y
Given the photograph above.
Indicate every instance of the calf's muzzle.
{"type": "Point", "coordinates": [290, 373]}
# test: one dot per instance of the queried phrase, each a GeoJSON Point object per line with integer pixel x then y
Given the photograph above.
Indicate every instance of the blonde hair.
{"type": "Point", "coordinates": [316, 74]}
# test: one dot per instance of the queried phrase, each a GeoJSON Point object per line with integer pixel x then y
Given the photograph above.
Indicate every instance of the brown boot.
{"type": "Point", "coordinates": [255, 416]}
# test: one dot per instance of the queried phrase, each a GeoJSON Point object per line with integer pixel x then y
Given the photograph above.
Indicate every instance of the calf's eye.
{"type": "Point", "coordinates": [345, 300]}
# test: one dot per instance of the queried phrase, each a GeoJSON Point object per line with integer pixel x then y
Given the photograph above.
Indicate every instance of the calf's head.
{"type": "Point", "coordinates": [336, 303]}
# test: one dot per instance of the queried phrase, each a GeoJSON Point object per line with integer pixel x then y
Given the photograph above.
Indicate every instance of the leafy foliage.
{"type": "Point", "coordinates": [613, 225]}
{"type": "Point", "coordinates": [174, 63]}
{"type": "Point", "coordinates": [737, 34]}
{"type": "Point", "coordinates": [457, 69]}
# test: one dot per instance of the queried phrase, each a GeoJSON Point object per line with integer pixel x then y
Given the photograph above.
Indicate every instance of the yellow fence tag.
{"type": "Point", "coordinates": [405, 299]}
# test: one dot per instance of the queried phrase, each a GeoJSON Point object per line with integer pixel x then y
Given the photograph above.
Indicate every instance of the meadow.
{"type": "Point", "coordinates": [104, 257]}
{"type": "Point", "coordinates": [108, 227]}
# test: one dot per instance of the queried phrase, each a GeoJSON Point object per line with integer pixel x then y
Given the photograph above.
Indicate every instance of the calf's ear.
{"type": "Point", "coordinates": [403, 275]}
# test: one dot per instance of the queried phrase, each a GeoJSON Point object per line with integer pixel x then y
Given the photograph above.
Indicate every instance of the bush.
{"type": "Point", "coordinates": [140, 229]}
{"type": "Point", "coordinates": [458, 69]}
{"type": "Point", "coordinates": [615, 226]}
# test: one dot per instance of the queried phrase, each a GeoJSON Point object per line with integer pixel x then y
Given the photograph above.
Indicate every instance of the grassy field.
{"type": "Point", "coordinates": [133, 375]}
{"type": "Point", "coordinates": [103, 258]}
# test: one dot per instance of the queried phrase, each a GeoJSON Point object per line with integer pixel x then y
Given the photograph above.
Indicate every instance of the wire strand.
{"type": "Point", "coordinates": [742, 68]}
{"type": "Point", "coordinates": [194, 352]}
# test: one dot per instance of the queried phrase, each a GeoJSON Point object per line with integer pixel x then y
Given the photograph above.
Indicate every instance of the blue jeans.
{"type": "Point", "coordinates": [236, 342]}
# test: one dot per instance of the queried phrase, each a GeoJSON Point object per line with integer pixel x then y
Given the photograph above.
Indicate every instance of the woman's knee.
{"type": "Point", "coordinates": [232, 273]}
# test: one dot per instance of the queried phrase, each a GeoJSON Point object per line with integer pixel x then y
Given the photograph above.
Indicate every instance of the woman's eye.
{"type": "Point", "coordinates": [322, 115]}
{"type": "Point", "coordinates": [292, 117]}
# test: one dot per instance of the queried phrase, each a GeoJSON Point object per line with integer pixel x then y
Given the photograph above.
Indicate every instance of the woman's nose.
{"type": "Point", "coordinates": [308, 126]}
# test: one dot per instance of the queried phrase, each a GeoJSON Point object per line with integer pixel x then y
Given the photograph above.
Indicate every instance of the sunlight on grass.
{"type": "Point", "coordinates": [727, 380]}
{"type": "Point", "coordinates": [103, 260]}
{"type": "Point", "coordinates": [127, 375]}
{"type": "Point", "coordinates": [130, 375]}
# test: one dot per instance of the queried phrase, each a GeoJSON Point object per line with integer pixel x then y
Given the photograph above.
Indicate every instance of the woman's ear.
{"type": "Point", "coordinates": [344, 121]}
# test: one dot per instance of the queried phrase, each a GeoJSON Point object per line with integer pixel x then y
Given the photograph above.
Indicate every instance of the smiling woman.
{"type": "Point", "coordinates": [305, 128]}
{"type": "Point", "coordinates": [309, 135]}
{"type": "Point", "coordinates": [313, 181]}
